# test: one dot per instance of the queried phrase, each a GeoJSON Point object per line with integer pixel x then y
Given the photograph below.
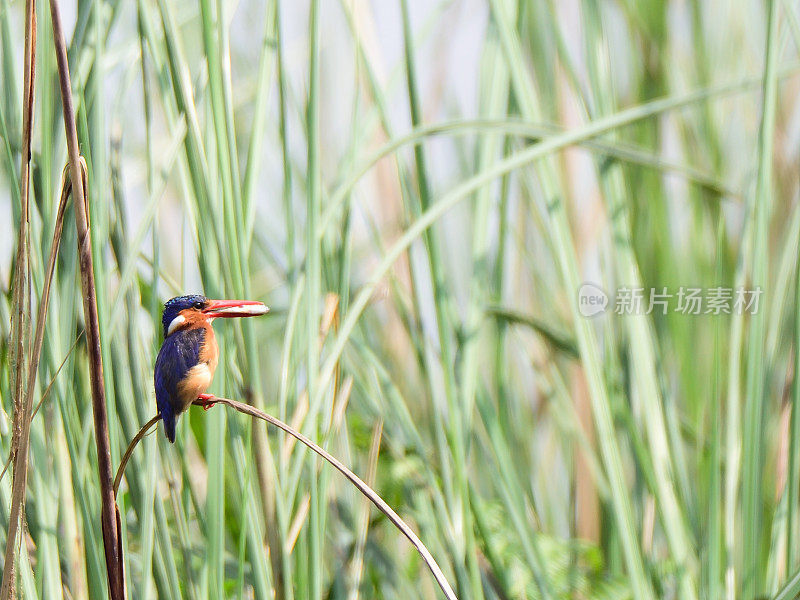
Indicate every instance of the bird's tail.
{"type": "Point", "coordinates": [169, 425]}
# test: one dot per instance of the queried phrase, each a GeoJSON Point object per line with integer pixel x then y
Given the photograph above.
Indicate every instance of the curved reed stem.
{"type": "Point", "coordinates": [126, 457]}
{"type": "Point", "coordinates": [362, 487]}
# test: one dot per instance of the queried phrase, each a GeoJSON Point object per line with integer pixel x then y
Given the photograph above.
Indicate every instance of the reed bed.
{"type": "Point", "coordinates": [422, 192]}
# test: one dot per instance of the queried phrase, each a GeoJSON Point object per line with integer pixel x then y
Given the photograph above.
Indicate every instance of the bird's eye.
{"type": "Point", "coordinates": [198, 305]}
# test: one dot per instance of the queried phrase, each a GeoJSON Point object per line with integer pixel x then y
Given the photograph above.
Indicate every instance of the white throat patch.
{"type": "Point", "coordinates": [176, 322]}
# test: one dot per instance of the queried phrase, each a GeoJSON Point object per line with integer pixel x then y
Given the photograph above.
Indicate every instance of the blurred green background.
{"type": "Point", "coordinates": [418, 189]}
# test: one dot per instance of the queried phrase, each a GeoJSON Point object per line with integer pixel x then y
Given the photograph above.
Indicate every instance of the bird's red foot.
{"type": "Point", "coordinates": [206, 401]}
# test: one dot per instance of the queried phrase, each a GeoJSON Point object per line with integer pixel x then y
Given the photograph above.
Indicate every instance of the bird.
{"type": "Point", "coordinates": [189, 353]}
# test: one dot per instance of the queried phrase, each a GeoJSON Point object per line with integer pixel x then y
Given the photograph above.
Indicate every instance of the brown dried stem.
{"type": "Point", "coordinates": [362, 487]}
{"type": "Point", "coordinates": [111, 540]}
{"type": "Point", "coordinates": [21, 395]}
{"type": "Point", "coordinates": [134, 442]}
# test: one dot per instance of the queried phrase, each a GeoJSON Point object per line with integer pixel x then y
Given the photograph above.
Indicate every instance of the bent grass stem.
{"type": "Point", "coordinates": [208, 401]}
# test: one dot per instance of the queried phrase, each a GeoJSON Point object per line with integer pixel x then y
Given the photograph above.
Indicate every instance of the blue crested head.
{"type": "Point", "coordinates": [173, 307]}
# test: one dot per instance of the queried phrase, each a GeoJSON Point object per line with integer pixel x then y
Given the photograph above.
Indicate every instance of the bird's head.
{"type": "Point", "coordinates": [187, 311]}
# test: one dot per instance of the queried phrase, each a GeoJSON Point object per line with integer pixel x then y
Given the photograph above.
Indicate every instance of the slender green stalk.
{"type": "Point", "coordinates": [639, 330]}
{"type": "Point", "coordinates": [313, 273]}
{"type": "Point", "coordinates": [794, 438]}
{"type": "Point", "coordinates": [753, 440]}
{"type": "Point", "coordinates": [459, 418]}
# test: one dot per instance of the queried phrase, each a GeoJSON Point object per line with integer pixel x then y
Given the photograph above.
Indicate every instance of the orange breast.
{"type": "Point", "coordinates": [199, 377]}
{"type": "Point", "coordinates": [209, 351]}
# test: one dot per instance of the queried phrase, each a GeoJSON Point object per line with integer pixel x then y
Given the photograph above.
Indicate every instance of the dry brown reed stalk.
{"type": "Point", "coordinates": [362, 487]}
{"type": "Point", "coordinates": [20, 300]}
{"type": "Point", "coordinates": [109, 514]}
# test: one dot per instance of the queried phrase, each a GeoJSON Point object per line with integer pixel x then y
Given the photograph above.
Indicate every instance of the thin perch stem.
{"type": "Point", "coordinates": [126, 457]}
{"type": "Point", "coordinates": [208, 401]}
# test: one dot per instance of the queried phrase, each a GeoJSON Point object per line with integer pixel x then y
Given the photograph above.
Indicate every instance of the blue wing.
{"type": "Point", "coordinates": [179, 353]}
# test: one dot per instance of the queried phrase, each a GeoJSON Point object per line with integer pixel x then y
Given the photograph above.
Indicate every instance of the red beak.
{"type": "Point", "coordinates": [234, 308]}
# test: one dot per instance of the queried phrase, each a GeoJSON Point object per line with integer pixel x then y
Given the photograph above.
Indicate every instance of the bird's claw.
{"type": "Point", "coordinates": [206, 401]}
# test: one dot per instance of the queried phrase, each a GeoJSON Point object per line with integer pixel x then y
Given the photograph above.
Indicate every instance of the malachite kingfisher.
{"type": "Point", "coordinates": [189, 355]}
